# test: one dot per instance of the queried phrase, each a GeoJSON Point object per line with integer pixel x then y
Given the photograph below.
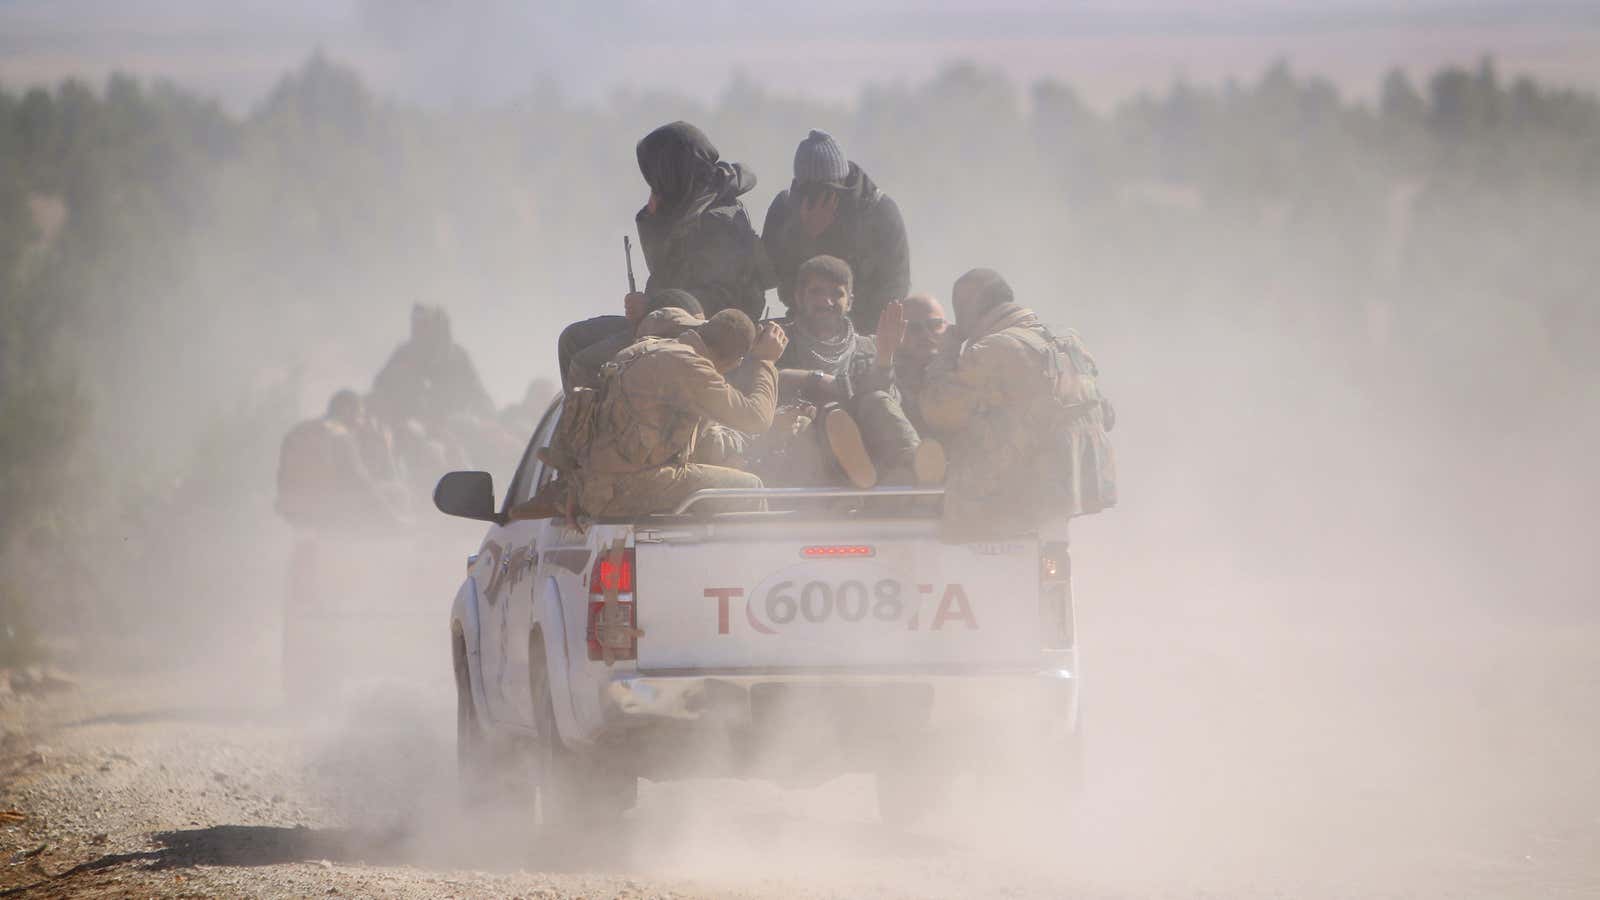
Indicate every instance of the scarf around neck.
{"type": "Point", "coordinates": [824, 354]}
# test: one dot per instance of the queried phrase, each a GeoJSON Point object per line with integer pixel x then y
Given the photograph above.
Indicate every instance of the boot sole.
{"type": "Point", "coordinates": [844, 438]}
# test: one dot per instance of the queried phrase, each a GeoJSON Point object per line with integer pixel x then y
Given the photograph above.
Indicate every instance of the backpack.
{"type": "Point", "coordinates": [1080, 469]}
{"type": "Point", "coordinates": [574, 430]}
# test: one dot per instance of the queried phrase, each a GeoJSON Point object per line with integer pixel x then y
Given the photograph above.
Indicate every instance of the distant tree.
{"type": "Point", "coordinates": [1399, 100]}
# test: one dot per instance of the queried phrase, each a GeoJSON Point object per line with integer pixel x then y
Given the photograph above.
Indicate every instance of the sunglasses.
{"type": "Point", "coordinates": [933, 325]}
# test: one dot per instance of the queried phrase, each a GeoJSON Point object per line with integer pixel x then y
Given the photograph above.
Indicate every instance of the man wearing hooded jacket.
{"type": "Point", "coordinates": [834, 209]}
{"type": "Point", "coordinates": [695, 234]}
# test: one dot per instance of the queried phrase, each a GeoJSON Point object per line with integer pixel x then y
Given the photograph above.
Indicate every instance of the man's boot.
{"type": "Point", "coordinates": [844, 438]}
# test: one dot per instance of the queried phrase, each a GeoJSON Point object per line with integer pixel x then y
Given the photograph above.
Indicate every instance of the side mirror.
{"type": "Point", "coordinates": [469, 495]}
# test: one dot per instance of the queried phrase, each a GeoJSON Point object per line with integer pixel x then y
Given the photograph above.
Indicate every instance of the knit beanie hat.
{"type": "Point", "coordinates": [820, 158]}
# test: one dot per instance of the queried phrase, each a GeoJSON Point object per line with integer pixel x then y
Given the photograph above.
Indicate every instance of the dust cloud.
{"type": "Point", "coordinates": [1339, 635]}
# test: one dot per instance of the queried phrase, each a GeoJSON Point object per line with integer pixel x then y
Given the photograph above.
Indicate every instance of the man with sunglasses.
{"type": "Point", "coordinates": [907, 351]}
{"type": "Point", "coordinates": [833, 208]}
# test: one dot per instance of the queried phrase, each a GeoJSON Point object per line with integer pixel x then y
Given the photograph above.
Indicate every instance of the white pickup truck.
{"type": "Point", "coordinates": [834, 635]}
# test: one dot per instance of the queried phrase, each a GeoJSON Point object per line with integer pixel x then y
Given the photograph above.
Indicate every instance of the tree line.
{"type": "Point", "coordinates": [158, 253]}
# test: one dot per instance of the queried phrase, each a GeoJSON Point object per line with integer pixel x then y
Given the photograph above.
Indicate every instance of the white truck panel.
{"type": "Point", "coordinates": [765, 604]}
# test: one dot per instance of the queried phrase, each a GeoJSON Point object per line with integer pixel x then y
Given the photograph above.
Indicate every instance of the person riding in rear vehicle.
{"type": "Point", "coordinates": [430, 377]}
{"type": "Point", "coordinates": [336, 473]}
{"type": "Point", "coordinates": [834, 209]}
{"type": "Point", "coordinates": [654, 399]}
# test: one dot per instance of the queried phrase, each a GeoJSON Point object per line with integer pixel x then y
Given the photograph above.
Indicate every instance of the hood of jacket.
{"type": "Point", "coordinates": [687, 175]}
{"type": "Point", "coordinates": [719, 193]}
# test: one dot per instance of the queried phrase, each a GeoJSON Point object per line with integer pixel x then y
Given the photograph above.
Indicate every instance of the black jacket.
{"type": "Point", "coordinates": [868, 234]}
{"type": "Point", "coordinates": [700, 239]}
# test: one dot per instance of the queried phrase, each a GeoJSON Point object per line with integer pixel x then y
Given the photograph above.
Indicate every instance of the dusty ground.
{"type": "Point", "coordinates": [1223, 763]}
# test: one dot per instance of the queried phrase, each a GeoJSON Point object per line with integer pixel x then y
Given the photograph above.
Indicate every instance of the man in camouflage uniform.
{"type": "Point", "coordinates": [656, 396]}
{"type": "Point", "coordinates": [1022, 418]}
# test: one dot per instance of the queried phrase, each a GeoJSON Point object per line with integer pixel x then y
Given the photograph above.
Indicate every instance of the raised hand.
{"type": "Point", "coordinates": [891, 332]}
{"type": "Point", "coordinates": [770, 342]}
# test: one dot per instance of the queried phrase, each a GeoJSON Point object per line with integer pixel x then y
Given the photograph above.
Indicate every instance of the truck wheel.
{"type": "Point", "coordinates": [478, 767]}
{"type": "Point", "coordinates": [570, 788]}
{"type": "Point", "coordinates": [908, 797]}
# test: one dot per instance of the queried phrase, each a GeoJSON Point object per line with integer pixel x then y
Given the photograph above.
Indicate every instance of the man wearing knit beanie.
{"type": "Point", "coordinates": [833, 209]}
{"type": "Point", "coordinates": [820, 160]}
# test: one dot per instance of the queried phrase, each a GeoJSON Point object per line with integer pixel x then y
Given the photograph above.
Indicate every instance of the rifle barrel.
{"type": "Point", "coordinates": [627, 254]}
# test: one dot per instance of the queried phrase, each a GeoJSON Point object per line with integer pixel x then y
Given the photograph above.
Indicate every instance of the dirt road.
{"type": "Point", "coordinates": [1218, 768]}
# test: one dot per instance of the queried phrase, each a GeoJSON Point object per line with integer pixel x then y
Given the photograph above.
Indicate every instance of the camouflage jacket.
{"type": "Point", "coordinates": [654, 398]}
{"type": "Point", "coordinates": [1021, 416]}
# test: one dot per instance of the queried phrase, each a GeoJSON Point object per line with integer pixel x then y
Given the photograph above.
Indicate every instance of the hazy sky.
{"type": "Point", "coordinates": [489, 50]}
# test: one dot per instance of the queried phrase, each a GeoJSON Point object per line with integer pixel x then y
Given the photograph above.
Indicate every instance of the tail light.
{"type": "Point", "coordinates": [616, 631]}
{"type": "Point", "coordinates": [1055, 595]}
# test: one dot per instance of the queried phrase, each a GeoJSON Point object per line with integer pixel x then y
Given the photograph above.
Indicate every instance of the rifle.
{"type": "Point", "coordinates": [627, 254]}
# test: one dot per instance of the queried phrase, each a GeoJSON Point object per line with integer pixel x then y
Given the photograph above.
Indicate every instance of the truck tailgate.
{"type": "Point", "coordinates": [883, 597]}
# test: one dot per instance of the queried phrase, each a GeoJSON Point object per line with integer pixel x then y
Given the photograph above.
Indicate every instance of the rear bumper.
{"type": "Point", "coordinates": [733, 721]}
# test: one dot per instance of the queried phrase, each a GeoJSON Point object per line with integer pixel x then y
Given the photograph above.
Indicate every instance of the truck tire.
{"type": "Point", "coordinates": [907, 797]}
{"type": "Point", "coordinates": [479, 769]}
{"type": "Point", "coordinates": [570, 787]}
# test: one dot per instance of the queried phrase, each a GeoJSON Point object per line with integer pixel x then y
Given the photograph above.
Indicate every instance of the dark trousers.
{"type": "Point", "coordinates": [890, 437]}
{"type": "Point", "coordinates": [805, 460]}
{"type": "Point", "coordinates": [579, 335]}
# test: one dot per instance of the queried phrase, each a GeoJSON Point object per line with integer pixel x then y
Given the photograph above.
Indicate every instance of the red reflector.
{"type": "Point", "coordinates": [838, 550]}
{"type": "Point", "coordinates": [608, 575]}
